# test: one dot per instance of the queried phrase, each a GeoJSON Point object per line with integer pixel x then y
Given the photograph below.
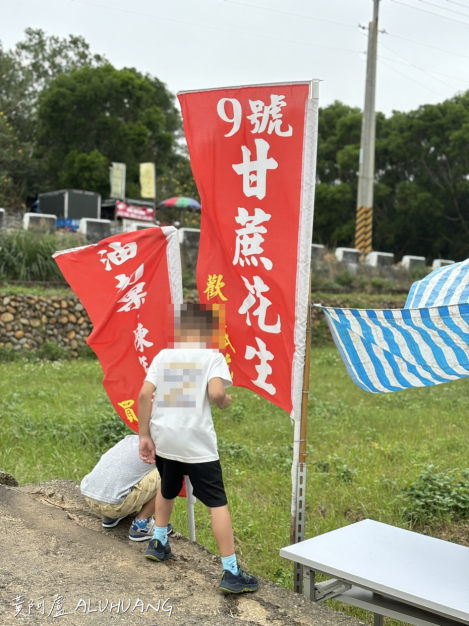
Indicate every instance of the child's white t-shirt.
{"type": "Point", "coordinates": [181, 424]}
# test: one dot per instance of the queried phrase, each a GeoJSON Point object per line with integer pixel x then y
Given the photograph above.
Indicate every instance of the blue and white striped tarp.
{"type": "Point", "coordinates": [443, 287]}
{"type": "Point", "coordinates": [424, 344]}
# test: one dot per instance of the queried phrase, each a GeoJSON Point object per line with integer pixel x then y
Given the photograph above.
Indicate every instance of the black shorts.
{"type": "Point", "coordinates": [206, 479]}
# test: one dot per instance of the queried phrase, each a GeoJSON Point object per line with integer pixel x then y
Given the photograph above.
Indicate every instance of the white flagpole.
{"type": "Point", "coordinates": [303, 314]}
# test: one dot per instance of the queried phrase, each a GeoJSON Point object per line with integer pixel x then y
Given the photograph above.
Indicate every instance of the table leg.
{"type": "Point", "coordinates": [309, 576]}
{"type": "Point", "coordinates": [379, 620]}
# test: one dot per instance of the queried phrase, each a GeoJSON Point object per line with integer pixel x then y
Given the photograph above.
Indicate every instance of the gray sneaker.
{"type": "Point", "coordinates": [142, 534]}
{"type": "Point", "coordinates": [109, 522]}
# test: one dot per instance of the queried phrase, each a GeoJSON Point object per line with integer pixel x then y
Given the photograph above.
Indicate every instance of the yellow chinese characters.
{"type": "Point", "coordinates": [228, 342]}
{"type": "Point", "coordinates": [214, 286]}
{"type": "Point", "coordinates": [227, 355]}
{"type": "Point", "coordinates": [129, 412]}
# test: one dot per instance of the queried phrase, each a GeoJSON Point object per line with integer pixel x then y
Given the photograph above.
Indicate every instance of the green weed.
{"type": "Point", "coordinates": [52, 351]}
{"type": "Point", "coordinates": [381, 284]}
{"type": "Point", "coordinates": [27, 256]}
{"type": "Point", "coordinates": [437, 495]}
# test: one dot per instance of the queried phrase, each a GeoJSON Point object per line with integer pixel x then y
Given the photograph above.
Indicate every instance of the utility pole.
{"type": "Point", "coordinates": [366, 174]}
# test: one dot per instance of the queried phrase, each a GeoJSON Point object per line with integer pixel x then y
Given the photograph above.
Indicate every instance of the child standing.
{"type": "Point", "coordinates": [181, 435]}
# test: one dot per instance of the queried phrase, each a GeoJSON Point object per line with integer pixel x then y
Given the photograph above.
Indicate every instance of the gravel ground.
{"type": "Point", "coordinates": [51, 545]}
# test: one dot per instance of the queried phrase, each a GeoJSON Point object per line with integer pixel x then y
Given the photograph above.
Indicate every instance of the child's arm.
{"type": "Point", "coordinates": [146, 446]}
{"type": "Point", "coordinates": [217, 393]}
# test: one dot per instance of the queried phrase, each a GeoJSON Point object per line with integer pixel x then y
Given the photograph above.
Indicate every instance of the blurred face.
{"type": "Point", "coordinates": [198, 331]}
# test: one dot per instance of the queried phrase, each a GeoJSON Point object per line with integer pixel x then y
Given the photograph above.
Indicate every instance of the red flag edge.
{"type": "Point", "coordinates": [305, 236]}
{"type": "Point", "coordinates": [173, 255]}
{"type": "Point", "coordinates": [303, 283]}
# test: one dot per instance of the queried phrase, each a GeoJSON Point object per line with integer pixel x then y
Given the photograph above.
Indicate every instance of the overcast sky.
{"type": "Point", "coordinates": [191, 44]}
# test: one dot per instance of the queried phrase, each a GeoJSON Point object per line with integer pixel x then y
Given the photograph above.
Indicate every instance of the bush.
{"type": "Point", "coordinates": [7, 355]}
{"type": "Point", "coordinates": [51, 351]}
{"type": "Point", "coordinates": [189, 280]}
{"type": "Point", "coordinates": [419, 272]}
{"type": "Point", "coordinates": [383, 284]}
{"type": "Point", "coordinates": [27, 256]}
{"type": "Point", "coordinates": [85, 352]}
{"type": "Point", "coordinates": [437, 495]}
{"type": "Point", "coordinates": [345, 278]}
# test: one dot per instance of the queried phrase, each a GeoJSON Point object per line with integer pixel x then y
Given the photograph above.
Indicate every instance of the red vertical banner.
{"type": "Point", "coordinates": [252, 152]}
{"type": "Point", "coordinates": [126, 283]}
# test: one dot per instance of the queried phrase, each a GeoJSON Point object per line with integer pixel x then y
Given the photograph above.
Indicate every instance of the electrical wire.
{"type": "Point", "coordinates": [445, 17]}
{"type": "Point", "coordinates": [427, 45]}
{"type": "Point", "coordinates": [444, 8]}
{"type": "Point", "coordinates": [220, 28]}
{"type": "Point", "coordinates": [422, 69]}
{"type": "Point", "coordinates": [420, 43]}
{"type": "Point", "coordinates": [412, 79]}
{"type": "Point", "coordinates": [302, 15]}
{"type": "Point", "coordinates": [257, 35]}
{"type": "Point", "coordinates": [381, 57]}
{"type": "Point", "coordinates": [459, 3]}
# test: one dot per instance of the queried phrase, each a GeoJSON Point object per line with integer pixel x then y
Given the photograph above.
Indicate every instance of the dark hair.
{"type": "Point", "coordinates": [198, 316]}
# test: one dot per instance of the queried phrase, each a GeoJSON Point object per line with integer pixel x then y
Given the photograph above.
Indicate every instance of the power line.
{"type": "Point", "coordinates": [422, 69]}
{"type": "Point", "coordinates": [465, 56]}
{"type": "Point", "coordinates": [220, 28]}
{"type": "Point", "coordinates": [444, 8]}
{"type": "Point", "coordinates": [459, 3]}
{"type": "Point", "coordinates": [412, 79]}
{"type": "Point", "coordinates": [421, 43]}
{"type": "Point", "coordinates": [445, 17]}
{"type": "Point", "coordinates": [427, 45]}
{"type": "Point", "coordinates": [302, 15]}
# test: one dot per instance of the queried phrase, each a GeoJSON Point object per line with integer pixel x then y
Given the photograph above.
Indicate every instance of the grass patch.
{"type": "Point", "coordinates": [27, 256]}
{"type": "Point", "coordinates": [48, 351]}
{"type": "Point", "coordinates": [367, 453]}
{"type": "Point", "coordinates": [437, 495]}
{"type": "Point", "coordinates": [11, 289]}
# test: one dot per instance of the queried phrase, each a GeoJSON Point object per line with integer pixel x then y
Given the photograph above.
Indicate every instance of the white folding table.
{"type": "Point", "coordinates": [389, 571]}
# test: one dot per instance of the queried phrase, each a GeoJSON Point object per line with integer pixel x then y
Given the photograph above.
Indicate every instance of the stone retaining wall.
{"type": "Point", "coordinates": [26, 322]}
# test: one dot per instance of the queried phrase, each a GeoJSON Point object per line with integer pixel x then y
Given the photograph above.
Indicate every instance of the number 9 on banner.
{"type": "Point", "coordinates": [237, 112]}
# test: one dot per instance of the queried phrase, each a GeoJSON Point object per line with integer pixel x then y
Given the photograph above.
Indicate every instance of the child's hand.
{"type": "Point", "coordinates": [146, 449]}
{"type": "Point", "coordinates": [226, 402]}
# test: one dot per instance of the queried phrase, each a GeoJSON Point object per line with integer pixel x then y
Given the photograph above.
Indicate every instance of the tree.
{"type": "Point", "coordinates": [421, 194]}
{"type": "Point", "coordinates": [125, 116]}
{"type": "Point", "coordinates": [19, 172]}
{"type": "Point", "coordinates": [46, 57]}
{"type": "Point", "coordinates": [338, 150]}
{"type": "Point", "coordinates": [24, 72]}
{"type": "Point", "coordinates": [423, 163]}
{"type": "Point", "coordinates": [27, 69]}
{"type": "Point", "coordinates": [85, 171]}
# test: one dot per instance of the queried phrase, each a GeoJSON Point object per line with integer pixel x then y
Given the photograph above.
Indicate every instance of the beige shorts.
{"type": "Point", "coordinates": [139, 495]}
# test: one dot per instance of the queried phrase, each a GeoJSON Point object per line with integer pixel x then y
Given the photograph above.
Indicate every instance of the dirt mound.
{"type": "Point", "coordinates": [58, 560]}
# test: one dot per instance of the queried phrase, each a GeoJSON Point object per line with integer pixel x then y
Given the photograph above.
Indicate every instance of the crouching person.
{"type": "Point", "coordinates": [122, 484]}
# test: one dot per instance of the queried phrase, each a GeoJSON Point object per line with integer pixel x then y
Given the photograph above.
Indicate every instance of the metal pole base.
{"type": "Point", "coordinates": [300, 524]}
